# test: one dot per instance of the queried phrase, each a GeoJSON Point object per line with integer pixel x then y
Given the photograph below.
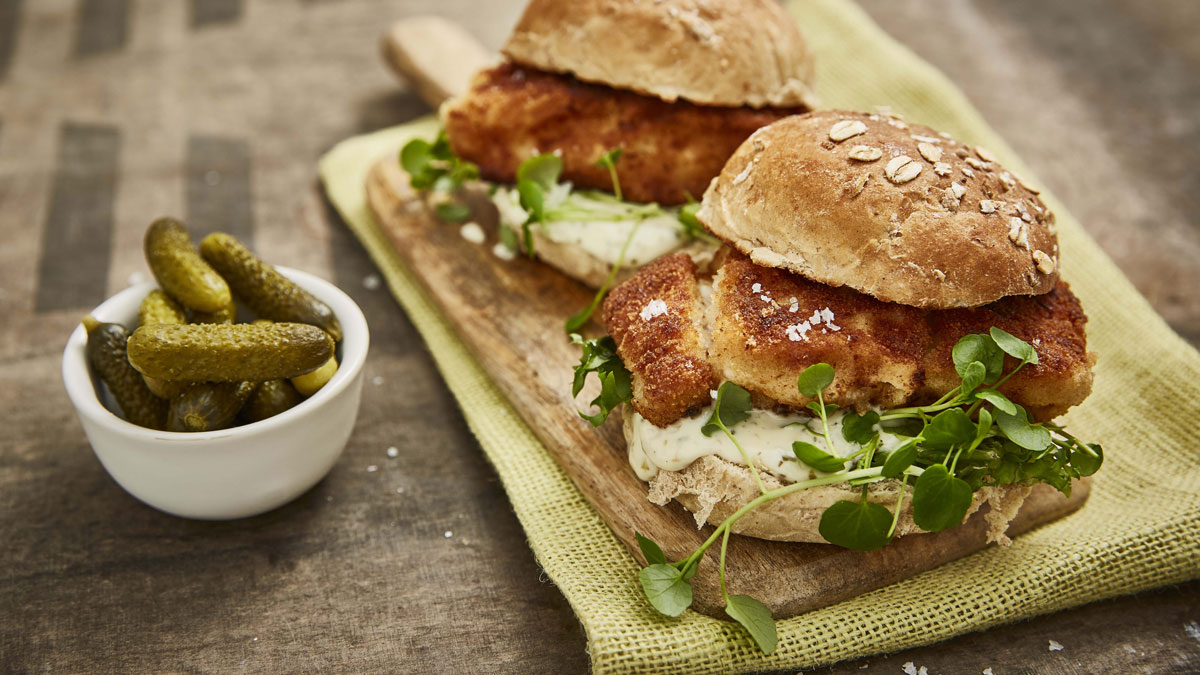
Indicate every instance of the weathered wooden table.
{"type": "Point", "coordinates": [114, 112]}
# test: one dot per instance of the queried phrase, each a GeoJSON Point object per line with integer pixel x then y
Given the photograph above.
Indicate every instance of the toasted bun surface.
{"type": "Point", "coordinates": [713, 489]}
{"type": "Point", "coordinates": [893, 210]}
{"type": "Point", "coordinates": [715, 52]}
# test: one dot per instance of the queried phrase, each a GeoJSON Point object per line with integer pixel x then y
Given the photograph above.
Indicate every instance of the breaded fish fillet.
{"type": "Point", "coordinates": [669, 150]}
{"type": "Point", "coordinates": [768, 325]}
{"type": "Point", "coordinates": [656, 324]}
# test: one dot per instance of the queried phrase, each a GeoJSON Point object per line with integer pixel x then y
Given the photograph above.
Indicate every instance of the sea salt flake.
{"type": "Point", "coordinates": [987, 671]}
{"type": "Point", "coordinates": [756, 288]}
{"type": "Point", "coordinates": [815, 319]}
{"type": "Point", "coordinates": [393, 452]}
{"type": "Point", "coordinates": [448, 534]}
{"type": "Point", "coordinates": [372, 468]}
{"type": "Point", "coordinates": [1055, 647]}
{"type": "Point", "coordinates": [371, 282]}
{"type": "Point", "coordinates": [713, 393]}
{"type": "Point", "coordinates": [909, 668]}
{"type": "Point", "coordinates": [764, 298]}
{"type": "Point", "coordinates": [799, 332]}
{"type": "Point", "coordinates": [652, 309]}
{"type": "Point", "coordinates": [1192, 628]}
{"type": "Point", "coordinates": [827, 317]}
{"type": "Point", "coordinates": [377, 380]}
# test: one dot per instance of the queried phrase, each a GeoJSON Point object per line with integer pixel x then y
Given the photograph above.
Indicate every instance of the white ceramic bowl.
{"type": "Point", "coordinates": [233, 473]}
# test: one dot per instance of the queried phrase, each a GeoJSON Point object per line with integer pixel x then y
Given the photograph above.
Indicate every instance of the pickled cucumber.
{"type": "Point", "coordinates": [180, 271]}
{"type": "Point", "coordinates": [270, 294]}
{"type": "Point", "coordinates": [159, 308]}
{"type": "Point", "coordinates": [229, 353]}
{"type": "Point", "coordinates": [106, 354]}
{"type": "Point", "coordinates": [224, 315]}
{"type": "Point", "coordinates": [271, 398]}
{"type": "Point", "coordinates": [310, 383]}
{"type": "Point", "coordinates": [208, 406]}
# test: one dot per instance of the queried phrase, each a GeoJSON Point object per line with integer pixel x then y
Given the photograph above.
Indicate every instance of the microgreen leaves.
{"type": "Point", "coordinates": [535, 178]}
{"type": "Point", "coordinates": [691, 224]}
{"type": "Point", "coordinates": [666, 588]}
{"type": "Point", "coordinates": [859, 526]}
{"type": "Point", "coordinates": [609, 161]}
{"type": "Point", "coordinates": [600, 357]}
{"type": "Point", "coordinates": [434, 166]}
{"type": "Point", "coordinates": [940, 501]}
{"type": "Point", "coordinates": [755, 618]}
{"type": "Point", "coordinates": [731, 407]}
{"type": "Point", "coordinates": [973, 436]}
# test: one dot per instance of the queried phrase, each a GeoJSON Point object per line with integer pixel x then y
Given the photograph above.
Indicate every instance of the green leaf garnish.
{"type": "Point", "coordinates": [452, 212]}
{"type": "Point", "coordinates": [981, 348]}
{"type": "Point", "coordinates": [600, 356]}
{"type": "Point", "coordinates": [609, 161]}
{"type": "Point", "coordinates": [817, 458]}
{"type": "Point", "coordinates": [755, 618]}
{"type": "Point", "coordinates": [940, 501]}
{"type": "Point", "coordinates": [949, 428]}
{"type": "Point", "coordinates": [815, 379]}
{"type": "Point", "coordinates": [1016, 428]}
{"type": "Point", "coordinates": [859, 526]}
{"type": "Point", "coordinates": [541, 170]}
{"type": "Point", "coordinates": [653, 552]}
{"type": "Point", "coordinates": [666, 589]}
{"type": "Point", "coordinates": [998, 400]}
{"type": "Point", "coordinates": [857, 428]}
{"type": "Point", "coordinates": [900, 459]}
{"type": "Point", "coordinates": [1014, 346]}
{"type": "Point", "coordinates": [1086, 458]}
{"type": "Point", "coordinates": [731, 407]}
{"type": "Point", "coordinates": [434, 165]}
{"type": "Point", "coordinates": [973, 376]}
{"type": "Point", "coordinates": [954, 446]}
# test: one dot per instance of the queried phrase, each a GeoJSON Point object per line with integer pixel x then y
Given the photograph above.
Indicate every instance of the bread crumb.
{"type": "Point", "coordinates": [1055, 647]}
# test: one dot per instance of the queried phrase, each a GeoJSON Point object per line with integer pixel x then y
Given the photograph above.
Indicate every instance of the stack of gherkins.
{"type": "Point", "coordinates": [189, 366]}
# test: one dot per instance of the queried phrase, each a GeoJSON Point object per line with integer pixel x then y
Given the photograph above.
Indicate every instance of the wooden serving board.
{"type": "Point", "coordinates": [511, 314]}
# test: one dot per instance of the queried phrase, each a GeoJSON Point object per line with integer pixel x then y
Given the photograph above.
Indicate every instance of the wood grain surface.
{"type": "Point", "coordinates": [510, 314]}
{"type": "Point", "coordinates": [217, 110]}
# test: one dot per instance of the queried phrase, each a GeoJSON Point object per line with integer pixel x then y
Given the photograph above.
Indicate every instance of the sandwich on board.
{"type": "Point", "coordinates": [878, 350]}
{"type": "Point", "coordinates": [607, 115]}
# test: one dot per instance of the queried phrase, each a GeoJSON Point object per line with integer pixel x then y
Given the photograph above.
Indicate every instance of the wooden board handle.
{"type": "Point", "coordinates": [436, 56]}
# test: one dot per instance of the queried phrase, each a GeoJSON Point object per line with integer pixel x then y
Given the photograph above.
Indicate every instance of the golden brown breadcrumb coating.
{"type": "Point", "coordinates": [768, 325]}
{"type": "Point", "coordinates": [655, 324]}
{"type": "Point", "coordinates": [669, 150]}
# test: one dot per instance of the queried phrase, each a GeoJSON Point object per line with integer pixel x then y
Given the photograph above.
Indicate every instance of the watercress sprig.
{"type": "Point", "coordinates": [600, 357]}
{"type": "Point", "coordinates": [434, 166]}
{"type": "Point", "coordinates": [972, 437]}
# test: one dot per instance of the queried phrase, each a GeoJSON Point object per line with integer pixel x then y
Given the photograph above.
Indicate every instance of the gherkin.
{"type": "Point", "coordinates": [264, 290]}
{"type": "Point", "coordinates": [229, 353]}
{"type": "Point", "coordinates": [208, 406]}
{"type": "Point", "coordinates": [106, 354]}
{"type": "Point", "coordinates": [181, 271]}
{"type": "Point", "coordinates": [271, 398]}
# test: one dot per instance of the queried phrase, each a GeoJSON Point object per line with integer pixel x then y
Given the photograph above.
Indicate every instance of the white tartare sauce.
{"type": "Point", "coordinates": [766, 437]}
{"type": "Point", "coordinates": [656, 235]}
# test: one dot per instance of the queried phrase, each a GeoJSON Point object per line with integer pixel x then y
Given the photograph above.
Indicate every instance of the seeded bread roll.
{"type": "Point", "coordinates": [713, 488]}
{"type": "Point", "coordinates": [896, 211]}
{"type": "Point", "coordinates": [726, 53]}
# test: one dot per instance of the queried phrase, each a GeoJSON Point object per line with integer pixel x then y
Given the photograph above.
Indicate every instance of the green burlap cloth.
{"type": "Point", "coordinates": [1139, 529]}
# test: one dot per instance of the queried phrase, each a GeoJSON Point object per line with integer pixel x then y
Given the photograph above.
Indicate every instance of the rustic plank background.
{"type": "Point", "coordinates": [113, 112]}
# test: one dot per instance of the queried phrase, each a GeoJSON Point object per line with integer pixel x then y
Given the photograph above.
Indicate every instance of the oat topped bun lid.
{"type": "Point", "coordinates": [710, 52]}
{"type": "Point", "coordinates": [894, 210]}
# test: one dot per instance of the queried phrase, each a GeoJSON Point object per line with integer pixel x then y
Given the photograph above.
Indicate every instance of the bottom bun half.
{"type": "Point", "coordinates": [712, 489]}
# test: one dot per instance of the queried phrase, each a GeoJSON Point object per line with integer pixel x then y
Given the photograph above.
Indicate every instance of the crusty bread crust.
{"type": "Point", "coordinates": [893, 210]}
{"type": "Point", "coordinates": [713, 489]}
{"type": "Point", "coordinates": [727, 53]}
